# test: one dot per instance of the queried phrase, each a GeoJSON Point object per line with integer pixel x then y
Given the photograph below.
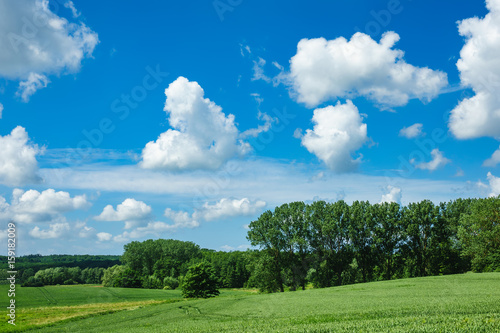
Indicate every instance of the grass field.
{"type": "Point", "coordinates": [457, 303]}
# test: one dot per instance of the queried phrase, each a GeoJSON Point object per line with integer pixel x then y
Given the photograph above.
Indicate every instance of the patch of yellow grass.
{"type": "Point", "coordinates": [35, 317]}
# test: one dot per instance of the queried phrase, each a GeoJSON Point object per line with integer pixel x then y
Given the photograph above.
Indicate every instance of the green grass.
{"type": "Point", "coordinates": [43, 306]}
{"type": "Point", "coordinates": [457, 303]}
{"type": "Point", "coordinates": [84, 294]}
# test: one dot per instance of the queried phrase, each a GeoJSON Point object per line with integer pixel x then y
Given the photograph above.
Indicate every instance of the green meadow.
{"type": "Point", "coordinates": [455, 303]}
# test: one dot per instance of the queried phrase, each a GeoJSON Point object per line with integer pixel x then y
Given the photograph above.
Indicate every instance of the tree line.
{"type": "Point", "coordinates": [27, 266]}
{"type": "Point", "coordinates": [329, 244]}
{"type": "Point", "coordinates": [323, 244]}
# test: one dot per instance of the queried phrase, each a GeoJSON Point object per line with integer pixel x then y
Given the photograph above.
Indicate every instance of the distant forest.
{"type": "Point", "coordinates": [323, 244]}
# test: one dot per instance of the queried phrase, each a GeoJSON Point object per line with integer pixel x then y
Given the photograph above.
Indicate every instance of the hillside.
{"type": "Point", "coordinates": [467, 302]}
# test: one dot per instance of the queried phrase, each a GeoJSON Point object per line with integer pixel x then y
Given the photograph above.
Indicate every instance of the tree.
{"type": "Point", "coordinates": [419, 221]}
{"type": "Point", "coordinates": [200, 281]}
{"type": "Point", "coordinates": [387, 234]}
{"type": "Point", "coordinates": [266, 232]}
{"type": "Point", "coordinates": [479, 233]}
{"type": "Point", "coordinates": [361, 228]}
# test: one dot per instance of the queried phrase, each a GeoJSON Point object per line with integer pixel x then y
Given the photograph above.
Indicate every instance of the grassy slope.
{"type": "Point", "coordinates": [39, 306]}
{"type": "Point", "coordinates": [84, 294]}
{"type": "Point", "coordinates": [46, 305]}
{"type": "Point", "coordinates": [467, 303]}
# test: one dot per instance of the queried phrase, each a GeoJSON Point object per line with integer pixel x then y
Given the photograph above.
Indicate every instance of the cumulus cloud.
{"type": "Point", "coordinates": [131, 211]}
{"type": "Point", "coordinates": [152, 228]}
{"type": "Point", "coordinates": [35, 43]}
{"type": "Point", "coordinates": [104, 236]}
{"type": "Point", "coordinates": [338, 132]}
{"type": "Point", "coordinates": [412, 131]}
{"type": "Point", "coordinates": [55, 230]}
{"type": "Point", "coordinates": [493, 160]}
{"type": "Point", "coordinates": [203, 137]}
{"type": "Point", "coordinates": [494, 185]}
{"type": "Point", "coordinates": [182, 219]}
{"type": "Point", "coordinates": [48, 206]}
{"type": "Point", "coordinates": [479, 67]}
{"type": "Point", "coordinates": [393, 195]}
{"type": "Point", "coordinates": [229, 208]}
{"type": "Point", "coordinates": [18, 164]}
{"type": "Point", "coordinates": [323, 70]}
{"type": "Point", "coordinates": [438, 161]}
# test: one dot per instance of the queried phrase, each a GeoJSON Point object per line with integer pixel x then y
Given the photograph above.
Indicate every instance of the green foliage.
{"type": "Point", "coordinates": [333, 243]}
{"type": "Point", "coordinates": [200, 281]}
{"type": "Point", "coordinates": [32, 282]}
{"type": "Point", "coordinates": [152, 282]}
{"type": "Point", "coordinates": [161, 257]}
{"type": "Point", "coordinates": [263, 273]}
{"type": "Point", "coordinates": [110, 278]}
{"type": "Point", "coordinates": [170, 283]}
{"type": "Point", "coordinates": [128, 278]}
{"type": "Point", "coordinates": [230, 267]}
{"type": "Point", "coordinates": [479, 234]}
{"type": "Point", "coordinates": [38, 262]}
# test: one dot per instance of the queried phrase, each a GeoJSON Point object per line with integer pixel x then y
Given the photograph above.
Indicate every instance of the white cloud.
{"type": "Point", "coordinates": [71, 6]}
{"type": "Point", "coordinates": [460, 173]}
{"type": "Point", "coordinates": [182, 219]}
{"type": "Point", "coordinates": [84, 231]}
{"type": "Point", "coordinates": [438, 160]}
{"type": "Point", "coordinates": [323, 70]}
{"type": "Point", "coordinates": [412, 131]}
{"type": "Point", "coordinates": [479, 67]}
{"type": "Point", "coordinates": [258, 70]}
{"type": "Point", "coordinates": [152, 228]}
{"type": "Point", "coordinates": [494, 185]}
{"type": "Point", "coordinates": [203, 136]}
{"type": "Point", "coordinates": [48, 206]}
{"type": "Point", "coordinates": [35, 41]}
{"type": "Point", "coordinates": [227, 248]}
{"type": "Point", "coordinates": [28, 87]}
{"type": "Point", "coordinates": [282, 181]}
{"type": "Point", "coordinates": [18, 164]}
{"type": "Point", "coordinates": [254, 132]}
{"type": "Point", "coordinates": [229, 208]}
{"type": "Point", "coordinates": [338, 132]}
{"type": "Point", "coordinates": [1, 110]}
{"type": "Point", "coordinates": [55, 230]}
{"type": "Point", "coordinates": [393, 195]}
{"type": "Point", "coordinates": [104, 236]}
{"type": "Point", "coordinates": [131, 211]}
{"type": "Point", "coordinates": [493, 160]}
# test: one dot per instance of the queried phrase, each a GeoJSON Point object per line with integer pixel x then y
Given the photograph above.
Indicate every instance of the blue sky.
{"type": "Point", "coordinates": [126, 121]}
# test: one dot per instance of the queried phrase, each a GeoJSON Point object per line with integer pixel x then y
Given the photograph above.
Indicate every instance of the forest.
{"type": "Point", "coordinates": [297, 244]}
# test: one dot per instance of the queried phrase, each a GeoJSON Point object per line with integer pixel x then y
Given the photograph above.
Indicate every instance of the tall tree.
{"type": "Point", "coordinates": [266, 232]}
{"type": "Point", "coordinates": [479, 233]}
{"type": "Point", "coordinates": [387, 234]}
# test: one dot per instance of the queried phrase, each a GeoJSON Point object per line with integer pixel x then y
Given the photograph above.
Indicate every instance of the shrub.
{"type": "Point", "coordinates": [200, 281]}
